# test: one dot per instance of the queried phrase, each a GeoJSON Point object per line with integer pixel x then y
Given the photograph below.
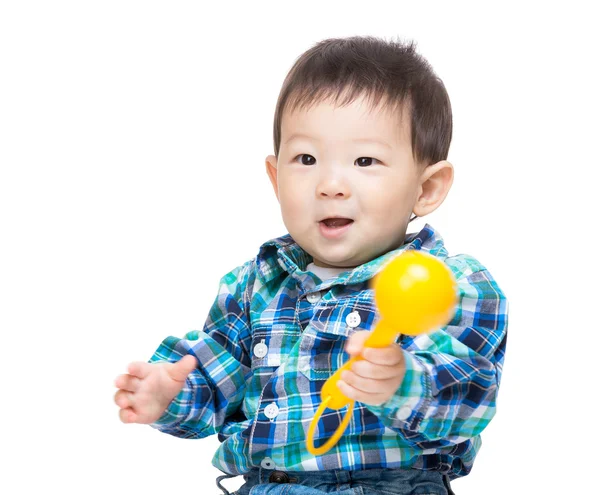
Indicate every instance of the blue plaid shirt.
{"type": "Point", "coordinates": [276, 332]}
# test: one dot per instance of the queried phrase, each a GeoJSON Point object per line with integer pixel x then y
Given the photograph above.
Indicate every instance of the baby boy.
{"type": "Point", "coordinates": [361, 137]}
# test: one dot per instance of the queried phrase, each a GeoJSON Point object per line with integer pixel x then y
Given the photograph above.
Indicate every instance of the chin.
{"type": "Point", "coordinates": [338, 261]}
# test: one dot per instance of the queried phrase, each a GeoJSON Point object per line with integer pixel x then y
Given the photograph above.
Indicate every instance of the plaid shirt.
{"type": "Point", "coordinates": [276, 332]}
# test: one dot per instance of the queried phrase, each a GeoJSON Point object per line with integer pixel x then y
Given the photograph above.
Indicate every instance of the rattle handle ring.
{"type": "Point", "coordinates": [310, 444]}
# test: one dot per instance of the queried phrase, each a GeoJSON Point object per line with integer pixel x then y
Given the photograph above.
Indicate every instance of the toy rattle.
{"type": "Point", "coordinates": [414, 293]}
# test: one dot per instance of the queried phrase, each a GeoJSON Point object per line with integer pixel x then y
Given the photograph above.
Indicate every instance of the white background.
{"type": "Point", "coordinates": [132, 145]}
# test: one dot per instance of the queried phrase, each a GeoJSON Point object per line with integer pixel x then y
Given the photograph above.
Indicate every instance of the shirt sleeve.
{"type": "Point", "coordinates": [450, 388]}
{"type": "Point", "coordinates": [216, 388]}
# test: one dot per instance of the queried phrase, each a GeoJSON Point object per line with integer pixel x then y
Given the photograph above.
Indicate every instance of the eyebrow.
{"type": "Point", "coordinates": [363, 140]}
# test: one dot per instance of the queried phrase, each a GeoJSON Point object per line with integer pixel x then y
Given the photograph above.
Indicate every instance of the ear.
{"type": "Point", "coordinates": [271, 164]}
{"type": "Point", "coordinates": [435, 182]}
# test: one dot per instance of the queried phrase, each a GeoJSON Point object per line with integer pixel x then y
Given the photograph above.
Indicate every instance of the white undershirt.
{"type": "Point", "coordinates": [323, 272]}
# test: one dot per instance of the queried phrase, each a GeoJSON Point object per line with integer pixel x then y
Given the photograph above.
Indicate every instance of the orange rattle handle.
{"type": "Point", "coordinates": [415, 293]}
{"type": "Point", "coordinates": [333, 397]}
{"type": "Point", "coordinates": [379, 337]}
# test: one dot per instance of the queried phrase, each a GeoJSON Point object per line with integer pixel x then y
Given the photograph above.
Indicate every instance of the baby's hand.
{"type": "Point", "coordinates": [376, 378]}
{"type": "Point", "coordinates": [149, 388]}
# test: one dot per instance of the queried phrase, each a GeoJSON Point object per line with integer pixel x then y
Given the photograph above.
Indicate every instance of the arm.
{"type": "Point", "coordinates": [215, 388]}
{"type": "Point", "coordinates": [452, 376]}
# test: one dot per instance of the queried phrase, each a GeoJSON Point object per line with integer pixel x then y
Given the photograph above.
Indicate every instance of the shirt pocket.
{"type": "Point", "coordinates": [324, 339]}
{"type": "Point", "coordinates": [271, 346]}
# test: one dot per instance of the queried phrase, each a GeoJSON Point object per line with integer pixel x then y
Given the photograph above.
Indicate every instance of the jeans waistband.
{"type": "Point", "coordinates": [338, 477]}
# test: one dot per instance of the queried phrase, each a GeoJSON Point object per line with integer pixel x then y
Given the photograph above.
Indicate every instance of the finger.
{"type": "Point", "coordinates": [366, 369]}
{"type": "Point", "coordinates": [128, 382]}
{"type": "Point", "coordinates": [128, 416]}
{"type": "Point", "coordinates": [356, 342]}
{"type": "Point", "coordinates": [124, 399]}
{"type": "Point", "coordinates": [387, 356]}
{"type": "Point", "coordinates": [182, 368]}
{"type": "Point", "coordinates": [360, 396]}
{"type": "Point", "coordinates": [139, 369]}
{"type": "Point", "coordinates": [369, 385]}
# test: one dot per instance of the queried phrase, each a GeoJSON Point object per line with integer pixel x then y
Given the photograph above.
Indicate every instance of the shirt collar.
{"type": "Point", "coordinates": [283, 254]}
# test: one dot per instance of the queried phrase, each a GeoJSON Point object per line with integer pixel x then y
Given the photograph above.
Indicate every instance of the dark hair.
{"type": "Point", "coordinates": [377, 68]}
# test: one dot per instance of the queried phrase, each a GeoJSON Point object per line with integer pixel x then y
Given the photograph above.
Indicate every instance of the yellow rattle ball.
{"type": "Point", "coordinates": [415, 293]}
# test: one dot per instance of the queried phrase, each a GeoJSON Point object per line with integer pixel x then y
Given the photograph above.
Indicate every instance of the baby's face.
{"type": "Point", "coordinates": [330, 167]}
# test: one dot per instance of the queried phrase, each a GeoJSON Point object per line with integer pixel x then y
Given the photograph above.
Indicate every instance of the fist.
{"type": "Point", "coordinates": [374, 379]}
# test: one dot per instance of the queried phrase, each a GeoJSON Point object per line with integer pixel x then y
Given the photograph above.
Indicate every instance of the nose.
{"type": "Point", "coordinates": [333, 184]}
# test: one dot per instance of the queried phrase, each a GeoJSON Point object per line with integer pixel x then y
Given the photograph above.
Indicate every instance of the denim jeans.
{"type": "Point", "coordinates": [262, 481]}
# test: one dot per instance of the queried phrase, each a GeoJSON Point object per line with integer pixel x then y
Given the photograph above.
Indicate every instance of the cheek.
{"type": "Point", "coordinates": [293, 198]}
{"type": "Point", "coordinates": [386, 199]}
{"type": "Point", "coordinates": [387, 207]}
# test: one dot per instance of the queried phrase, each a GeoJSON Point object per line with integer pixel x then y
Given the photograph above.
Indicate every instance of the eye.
{"type": "Point", "coordinates": [365, 161]}
{"type": "Point", "coordinates": [306, 159]}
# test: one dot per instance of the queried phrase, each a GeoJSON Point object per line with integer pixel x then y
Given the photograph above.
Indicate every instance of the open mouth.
{"type": "Point", "coordinates": [333, 223]}
{"type": "Point", "coordinates": [335, 227]}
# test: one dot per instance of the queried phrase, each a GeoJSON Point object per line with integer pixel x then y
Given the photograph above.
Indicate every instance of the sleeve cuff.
{"type": "Point", "coordinates": [407, 407]}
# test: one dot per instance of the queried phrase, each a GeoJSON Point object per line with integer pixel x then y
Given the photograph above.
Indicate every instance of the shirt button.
{"type": "Point", "coordinates": [403, 412]}
{"type": "Point", "coordinates": [313, 297]}
{"type": "Point", "coordinates": [267, 463]}
{"type": "Point", "coordinates": [353, 319]}
{"type": "Point", "coordinates": [261, 349]}
{"type": "Point", "coordinates": [271, 411]}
